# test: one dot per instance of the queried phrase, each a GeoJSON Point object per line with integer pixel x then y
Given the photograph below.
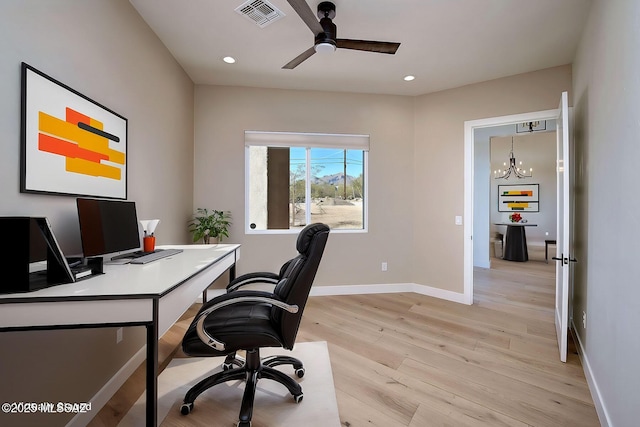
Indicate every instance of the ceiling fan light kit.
{"type": "Point", "coordinates": [326, 34]}
{"type": "Point", "coordinates": [325, 47]}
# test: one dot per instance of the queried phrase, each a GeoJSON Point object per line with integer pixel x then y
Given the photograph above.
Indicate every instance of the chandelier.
{"type": "Point", "coordinates": [512, 169]}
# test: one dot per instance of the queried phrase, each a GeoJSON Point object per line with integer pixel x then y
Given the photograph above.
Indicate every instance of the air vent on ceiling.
{"type": "Point", "coordinates": [259, 11]}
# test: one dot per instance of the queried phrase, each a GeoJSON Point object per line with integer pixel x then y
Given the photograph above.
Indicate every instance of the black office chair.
{"type": "Point", "coordinates": [251, 319]}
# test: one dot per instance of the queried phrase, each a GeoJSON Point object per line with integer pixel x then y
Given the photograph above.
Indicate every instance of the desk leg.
{"type": "Point", "coordinates": [152, 368]}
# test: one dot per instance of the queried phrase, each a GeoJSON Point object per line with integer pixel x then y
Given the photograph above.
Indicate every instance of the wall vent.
{"type": "Point", "coordinates": [261, 12]}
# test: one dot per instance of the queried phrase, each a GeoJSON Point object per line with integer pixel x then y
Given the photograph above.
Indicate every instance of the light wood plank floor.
{"type": "Point", "coordinates": [411, 360]}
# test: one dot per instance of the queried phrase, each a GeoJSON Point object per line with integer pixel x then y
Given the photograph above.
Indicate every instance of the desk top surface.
{"type": "Point", "coordinates": [135, 280]}
{"type": "Point", "coordinates": [516, 224]}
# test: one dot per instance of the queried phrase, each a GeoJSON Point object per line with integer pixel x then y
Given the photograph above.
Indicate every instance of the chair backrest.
{"type": "Point", "coordinates": [296, 279]}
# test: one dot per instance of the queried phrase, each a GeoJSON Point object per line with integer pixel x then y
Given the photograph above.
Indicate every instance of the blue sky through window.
{"type": "Point", "coordinates": [331, 160]}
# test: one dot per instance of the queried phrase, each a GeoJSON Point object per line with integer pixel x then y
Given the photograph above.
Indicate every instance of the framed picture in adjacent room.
{"type": "Point", "coordinates": [518, 198]}
{"type": "Point", "coordinates": [71, 145]}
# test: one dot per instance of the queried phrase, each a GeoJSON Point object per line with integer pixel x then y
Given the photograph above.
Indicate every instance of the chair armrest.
{"type": "Point", "coordinates": [247, 279]}
{"type": "Point", "coordinates": [236, 298]}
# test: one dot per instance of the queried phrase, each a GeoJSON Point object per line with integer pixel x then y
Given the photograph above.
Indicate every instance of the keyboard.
{"type": "Point", "coordinates": [155, 255]}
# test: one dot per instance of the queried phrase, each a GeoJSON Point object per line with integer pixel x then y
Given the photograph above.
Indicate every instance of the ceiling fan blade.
{"type": "Point", "coordinates": [300, 58]}
{"type": "Point", "coordinates": [368, 45]}
{"type": "Point", "coordinates": [302, 8]}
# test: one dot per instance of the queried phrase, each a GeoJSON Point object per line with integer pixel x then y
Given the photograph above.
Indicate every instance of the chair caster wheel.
{"type": "Point", "coordinates": [298, 397]}
{"type": "Point", "coordinates": [243, 424]}
{"type": "Point", "coordinates": [300, 372]}
{"type": "Point", "coordinates": [186, 408]}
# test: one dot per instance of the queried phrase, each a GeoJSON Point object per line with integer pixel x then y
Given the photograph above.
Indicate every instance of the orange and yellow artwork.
{"type": "Point", "coordinates": [71, 145]}
{"type": "Point", "coordinates": [83, 143]}
{"type": "Point", "coordinates": [518, 198]}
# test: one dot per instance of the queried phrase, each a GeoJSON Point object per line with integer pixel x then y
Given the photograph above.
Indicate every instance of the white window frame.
{"type": "Point", "coordinates": [308, 141]}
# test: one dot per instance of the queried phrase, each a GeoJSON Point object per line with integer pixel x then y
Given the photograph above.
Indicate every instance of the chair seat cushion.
{"type": "Point", "coordinates": [238, 326]}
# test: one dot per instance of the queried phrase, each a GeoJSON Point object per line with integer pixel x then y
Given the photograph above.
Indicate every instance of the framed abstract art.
{"type": "Point", "coordinates": [518, 198]}
{"type": "Point", "coordinates": [71, 145]}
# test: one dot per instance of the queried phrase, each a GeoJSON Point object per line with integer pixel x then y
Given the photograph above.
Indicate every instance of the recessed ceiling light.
{"type": "Point", "coordinates": [409, 78]}
{"type": "Point", "coordinates": [229, 59]}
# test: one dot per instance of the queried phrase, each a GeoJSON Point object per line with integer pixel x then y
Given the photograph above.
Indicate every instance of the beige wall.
{"type": "Point", "coordinates": [439, 162]}
{"type": "Point", "coordinates": [415, 179]}
{"type": "Point", "coordinates": [606, 232]}
{"type": "Point", "coordinates": [224, 113]}
{"type": "Point", "coordinates": [103, 49]}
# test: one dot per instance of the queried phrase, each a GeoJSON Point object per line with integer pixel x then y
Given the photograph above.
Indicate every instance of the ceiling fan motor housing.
{"type": "Point", "coordinates": [326, 9]}
{"type": "Point", "coordinates": [330, 32]}
{"type": "Point", "coordinates": [326, 12]}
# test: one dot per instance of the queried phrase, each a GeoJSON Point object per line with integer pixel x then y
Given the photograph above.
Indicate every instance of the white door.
{"type": "Point", "coordinates": [563, 248]}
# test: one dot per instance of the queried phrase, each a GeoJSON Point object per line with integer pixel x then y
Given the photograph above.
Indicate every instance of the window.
{"type": "Point", "coordinates": [294, 179]}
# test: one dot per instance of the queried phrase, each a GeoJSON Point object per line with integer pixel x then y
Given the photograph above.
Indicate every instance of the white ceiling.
{"type": "Point", "coordinates": [444, 43]}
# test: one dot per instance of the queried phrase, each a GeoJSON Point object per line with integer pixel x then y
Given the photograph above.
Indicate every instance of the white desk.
{"type": "Point", "coordinates": [153, 295]}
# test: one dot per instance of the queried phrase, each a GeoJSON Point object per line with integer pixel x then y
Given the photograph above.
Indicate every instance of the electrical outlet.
{"type": "Point", "coordinates": [584, 319]}
{"type": "Point", "coordinates": [384, 266]}
{"type": "Point", "coordinates": [118, 335]}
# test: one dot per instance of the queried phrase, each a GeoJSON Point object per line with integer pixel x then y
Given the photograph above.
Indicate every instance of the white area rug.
{"type": "Point", "coordinates": [220, 405]}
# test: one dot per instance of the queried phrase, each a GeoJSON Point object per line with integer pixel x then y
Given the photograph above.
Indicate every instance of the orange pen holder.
{"type": "Point", "coordinates": [149, 243]}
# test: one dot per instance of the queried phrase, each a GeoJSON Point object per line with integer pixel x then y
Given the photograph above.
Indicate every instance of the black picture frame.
{"type": "Point", "coordinates": [70, 144]}
{"type": "Point", "coordinates": [510, 202]}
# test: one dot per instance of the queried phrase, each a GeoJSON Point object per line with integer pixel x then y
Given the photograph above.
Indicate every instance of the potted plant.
{"type": "Point", "coordinates": [210, 224]}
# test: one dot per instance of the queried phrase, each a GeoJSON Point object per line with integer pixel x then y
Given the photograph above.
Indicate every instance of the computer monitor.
{"type": "Point", "coordinates": [107, 226]}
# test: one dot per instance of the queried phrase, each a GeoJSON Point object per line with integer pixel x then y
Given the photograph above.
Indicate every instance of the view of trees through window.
{"type": "Point", "coordinates": [336, 187]}
{"type": "Point", "coordinates": [323, 185]}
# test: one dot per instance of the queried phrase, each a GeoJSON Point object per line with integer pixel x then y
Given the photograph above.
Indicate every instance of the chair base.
{"type": "Point", "coordinates": [250, 370]}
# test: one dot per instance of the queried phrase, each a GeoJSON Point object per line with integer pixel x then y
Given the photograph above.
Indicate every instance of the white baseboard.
{"type": "Point", "coordinates": [361, 289]}
{"type": "Point", "coordinates": [601, 410]}
{"type": "Point", "coordinates": [388, 289]}
{"type": "Point", "coordinates": [109, 389]}
{"type": "Point", "coordinates": [440, 293]}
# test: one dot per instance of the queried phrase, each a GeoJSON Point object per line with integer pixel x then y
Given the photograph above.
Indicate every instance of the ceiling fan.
{"type": "Point", "coordinates": [325, 33]}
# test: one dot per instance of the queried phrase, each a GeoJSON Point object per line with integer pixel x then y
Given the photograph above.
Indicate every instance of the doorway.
{"type": "Point", "coordinates": [471, 170]}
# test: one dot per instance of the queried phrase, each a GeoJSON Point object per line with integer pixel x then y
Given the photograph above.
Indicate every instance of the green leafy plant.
{"type": "Point", "coordinates": [207, 224]}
